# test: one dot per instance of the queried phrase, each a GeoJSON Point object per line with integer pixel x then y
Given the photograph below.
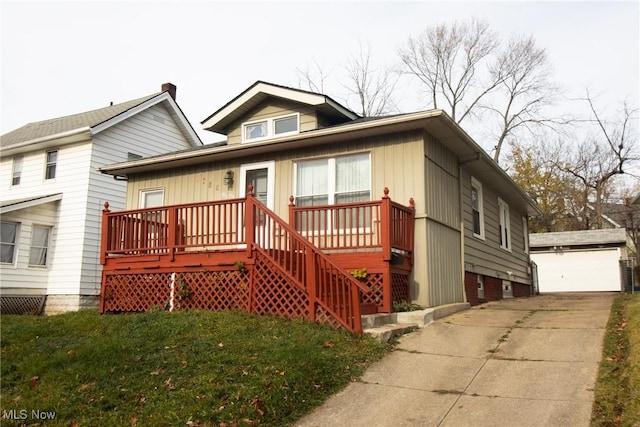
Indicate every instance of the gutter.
{"type": "Point", "coordinates": [61, 135]}
{"type": "Point", "coordinates": [326, 132]}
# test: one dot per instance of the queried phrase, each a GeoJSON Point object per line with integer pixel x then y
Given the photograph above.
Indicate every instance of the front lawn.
{"type": "Point", "coordinates": [173, 369]}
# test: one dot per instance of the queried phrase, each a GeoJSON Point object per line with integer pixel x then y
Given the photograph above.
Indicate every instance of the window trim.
{"type": "Point", "coordinates": [48, 164]}
{"type": "Point", "coordinates": [480, 283]}
{"type": "Point", "coordinates": [18, 159]}
{"type": "Point", "coordinates": [141, 196]}
{"type": "Point", "coordinates": [331, 190]}
{"type": "Point", "coordinates": [478, 185]}
{"type": "Point", "coordinates": [46, 248]}
{"type": "Point", "coordinates": [15, 243]}
{"type": "Point", "coordinates": [271, 127]}
{"type": "Point", "coordinates": [331, 176]}
{"type": "Point", "coordinates": [504, 224]}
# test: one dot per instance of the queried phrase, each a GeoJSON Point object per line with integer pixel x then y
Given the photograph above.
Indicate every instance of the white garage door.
{"type": "Point", "coordinates": [579, 271]}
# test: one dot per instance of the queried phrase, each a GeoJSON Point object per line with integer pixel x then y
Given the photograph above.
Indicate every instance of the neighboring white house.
{"type": "Point", "coordinates": [52, 195]}
{"type": "Point", "coordinates": [579, 261]}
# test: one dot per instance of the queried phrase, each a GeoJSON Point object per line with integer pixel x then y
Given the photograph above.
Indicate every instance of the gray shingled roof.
{"type": "Point", "coordinates": [58, 125]}
{"type": "Point", "coordinates": [578, 238]}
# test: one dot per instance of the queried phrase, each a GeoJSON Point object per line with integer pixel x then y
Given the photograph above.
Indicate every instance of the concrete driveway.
{"type": "Point", "coordinates": [516, 362]}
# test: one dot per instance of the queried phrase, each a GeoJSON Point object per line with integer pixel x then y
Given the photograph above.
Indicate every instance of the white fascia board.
{"type": "Point", "coordinates": [27, 145]}
{"type": "Point", "coordinates": [194, 140]}
{"type": "Point", "coordinates": [30, 203]}
{"type": "Point", "coordinates": [294, 95]}
{"type": "Point", "coordinates": [129, 113]}
{"type": "Point", "coordinates": [193, 137]}
{"type": "Point", "coordinates": [325, 132]}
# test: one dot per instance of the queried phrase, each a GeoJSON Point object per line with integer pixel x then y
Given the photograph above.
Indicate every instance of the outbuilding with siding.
{"type": "Point", "coordinates": [579, 261]}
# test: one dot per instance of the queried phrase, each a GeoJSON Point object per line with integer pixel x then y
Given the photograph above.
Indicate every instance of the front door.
{"type": "Point", "coordinates": [261, 175]}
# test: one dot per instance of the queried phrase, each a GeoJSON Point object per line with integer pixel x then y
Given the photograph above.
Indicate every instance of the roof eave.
{"type": "Point", "coordinates": [415, 121]}
{"type": "Point", "coordinates": [163, 97]}
{"type": "Point", "coordinates": [217, 121]}
{"type": "Point", "coordinates": [67, 137]}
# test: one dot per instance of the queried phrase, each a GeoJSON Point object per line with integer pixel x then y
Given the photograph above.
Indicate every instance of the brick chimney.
{"type": "Point", "coordinates": [171, 88]}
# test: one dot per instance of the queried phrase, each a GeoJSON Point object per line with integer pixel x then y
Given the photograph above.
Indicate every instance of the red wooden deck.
{"type": "Point", "coordinates": [237, 254]}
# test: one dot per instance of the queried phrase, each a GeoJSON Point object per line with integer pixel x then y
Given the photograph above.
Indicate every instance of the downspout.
{"type": "Point", "coordinates": [460, 203]}
{"type": "Point", "coordinates": [462, 162]}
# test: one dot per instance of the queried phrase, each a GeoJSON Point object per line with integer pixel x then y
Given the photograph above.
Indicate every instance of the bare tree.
{"type": "Point", "coordinates": [465, 66]}
{"type": "Point", "coordinates": [372, 87]}
{"type": "Point", "coordinates": [602, 155]}
{"type": "Point", "coordinates": [449, 61]}
{"type": "Point", "coordinates": [313, 77]}
{"type": "Point", "coordinates": [524, 90]}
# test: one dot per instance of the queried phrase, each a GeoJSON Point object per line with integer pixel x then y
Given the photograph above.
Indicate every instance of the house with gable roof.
{"type": "Point", "coordinates": [303, 190]}
{"type": "Point", "coordinates": [51, 195]}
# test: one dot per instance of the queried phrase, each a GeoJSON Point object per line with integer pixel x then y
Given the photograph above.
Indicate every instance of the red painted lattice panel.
{"type": "Point", "coordinates": [375, 282]}
{"type": "Point", "coordinates": [275, 294]}
{"type": "Point", "coordinates": [135, 292]}
{"type": "Point", "coordinates": [400, 287]}
{"type": "Point", "coordinates": [212, 290]}
{"type": "Point", "coordinates": [323, 316]}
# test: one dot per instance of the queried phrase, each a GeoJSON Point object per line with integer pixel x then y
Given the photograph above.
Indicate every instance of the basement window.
{"type": "Point", "coordinates": [480, 279]}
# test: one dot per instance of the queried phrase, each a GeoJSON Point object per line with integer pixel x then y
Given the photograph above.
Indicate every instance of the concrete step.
{"type": "Point", "coordinates": [385, 327]}
{"type": "Point", "coordinates": [389, 331]}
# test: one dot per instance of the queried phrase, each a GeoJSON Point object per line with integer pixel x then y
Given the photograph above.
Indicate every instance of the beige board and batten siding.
{"type": "Point", "coordinates": [485, 256]}
{"type": "Point", "coordinates": [442, 226]}
{"type": "Point", "coordinates": [270, 109]}
{"type": "Point", "coordinates": [395, 163]}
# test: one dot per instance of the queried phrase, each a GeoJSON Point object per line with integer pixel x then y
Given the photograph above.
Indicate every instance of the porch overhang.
{"type": "Point", "coordinates": [434, 122]}
{"type": "Point", "coordinates": [18, 204]}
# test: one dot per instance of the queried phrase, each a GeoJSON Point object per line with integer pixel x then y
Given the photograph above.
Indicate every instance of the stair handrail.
{"type": "Point", "coordinates": [313, 262]}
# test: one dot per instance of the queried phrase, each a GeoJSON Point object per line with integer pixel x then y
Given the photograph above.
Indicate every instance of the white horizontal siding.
{"type": "Point", "coordinates": [18, 278]}
{"type": "Point", "coordinates": [149, 133]}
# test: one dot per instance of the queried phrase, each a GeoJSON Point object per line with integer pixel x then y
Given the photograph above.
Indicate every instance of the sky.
{"type": "Point", "coordinates": [61, 58]}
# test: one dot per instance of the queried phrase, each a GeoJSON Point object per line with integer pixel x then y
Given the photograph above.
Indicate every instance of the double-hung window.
{"type": "Point", "coordinates": [270, 127]}
{"type": "Point", "coordinates": [8, 238]}
{"type": "Point", "coordinates": [477, 208]}
{"type": "Point", "coordinates": [39, 246]}
{"type": "Point", "coordinates": [16, 172]}
{"type": "Point", "coordinates": [51, 164]}
{"type": "Point", "coordinates": [504, 225]}
{"type": "Point", "coordinates": [337, 180]}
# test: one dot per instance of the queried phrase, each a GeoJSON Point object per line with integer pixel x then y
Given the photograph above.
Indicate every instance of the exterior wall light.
{"type": "Point", "coordinates": [228, 179]}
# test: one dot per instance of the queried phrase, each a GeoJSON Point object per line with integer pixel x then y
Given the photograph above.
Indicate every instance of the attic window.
{"type": "Point", "coordinates": [271, 127]}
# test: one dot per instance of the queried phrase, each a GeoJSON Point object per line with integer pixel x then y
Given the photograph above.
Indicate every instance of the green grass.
{"type": "Point", "coordinates": [617, 392]}
{"type": "Point", "coordinates": [168, 369]}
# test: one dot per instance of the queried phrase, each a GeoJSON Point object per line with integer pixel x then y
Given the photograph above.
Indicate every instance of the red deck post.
{"type": "Point", "coordinates": [292, 215]}
{"type": "Point", "coordinates": [172, 221]}
{"type": "Point", "coordinates": [249, 220]}
{"type": "Point", "coordinates": [104, 234]}
{"type": "Point", "coordinates": [385, 225]}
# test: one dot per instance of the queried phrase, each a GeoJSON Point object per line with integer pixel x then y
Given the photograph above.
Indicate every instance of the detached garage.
{"type": "Point", "coordinates": [579, 261]}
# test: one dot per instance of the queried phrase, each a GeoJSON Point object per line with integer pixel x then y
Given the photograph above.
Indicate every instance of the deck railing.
{"type": "Point", "coordinates": [294, 251]}
{"type": "Point", "coordinates": [381, 225]}
{"type": "Point", "coordinates": [325, 283]}
{"type": "Point", "coordinates": [167, 229]}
